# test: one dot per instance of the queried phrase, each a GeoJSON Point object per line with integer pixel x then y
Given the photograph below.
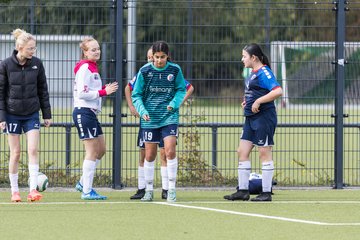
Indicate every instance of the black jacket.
{"type": "Point", "coordinates": [23, 89]}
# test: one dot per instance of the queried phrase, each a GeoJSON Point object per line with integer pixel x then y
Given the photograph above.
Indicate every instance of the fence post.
{"type": "Point", "coordinates": [214, 147]}
{"type": "Point", "coordinates": [32, 16]}
{"type": "Point", "coordinates": [67, 147]}
{"type": "Point", "coordinates": [116, 168]}
{"type": "Point", "coordinates": [339, 90]}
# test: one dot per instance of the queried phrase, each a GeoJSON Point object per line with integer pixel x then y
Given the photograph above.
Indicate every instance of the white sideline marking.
{"type": "Point", "coordinates": [179, 202]}
{"type": "Point", "coordinates": [206, 209]}
{"type": "Point", "coordinates": [258, 215]}
{"type": "Point", "coordinates": [276, 202]}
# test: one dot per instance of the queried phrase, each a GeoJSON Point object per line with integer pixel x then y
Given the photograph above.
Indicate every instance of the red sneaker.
{"type": "Point", "coordinates": [34, 195]}
{"type": "Point", "coordinates": [15, 197]}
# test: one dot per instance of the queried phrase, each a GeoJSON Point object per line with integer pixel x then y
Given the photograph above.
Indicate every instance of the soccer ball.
{"type": "Point", "coordinates": [43, 182]}
{"type": "Point", "coordinates": [255, 175]}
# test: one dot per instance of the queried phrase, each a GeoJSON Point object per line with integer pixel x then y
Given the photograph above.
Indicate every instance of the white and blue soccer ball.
{"type": "Point", "coordinates": [255, 175]}
{"type": "Point", "coordinates": [43, 182]}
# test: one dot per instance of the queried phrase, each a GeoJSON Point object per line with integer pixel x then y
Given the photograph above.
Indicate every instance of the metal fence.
{"type": "Point", "coordinates": [313, 49]}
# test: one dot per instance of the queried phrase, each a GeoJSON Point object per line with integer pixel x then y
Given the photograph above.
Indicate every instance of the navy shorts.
{"type": "Point", "coordinates": [141, 143]}
{"type": "Point", "coordinates": [260, 128]}
{"type": "Point", "coordinates": [16, 124]}
{"type": "Point", "coordinates": [86, 123]}
{"type": "Point", "coordinates": [140, 140]}
{"type": "Point", "coordinates": [157, 135]}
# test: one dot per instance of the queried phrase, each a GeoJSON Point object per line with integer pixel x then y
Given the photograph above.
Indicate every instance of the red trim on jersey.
{"type": "Point", "coordinates": [188, 87]}
{"type": "Point", "coordinates": [92, 66]}
{"type": "Point", "coordinates": [254, 71]}
{"type": "Point", "coordinates": [102, 92]}
{"type": "Point", "coordinates": [131, 88]}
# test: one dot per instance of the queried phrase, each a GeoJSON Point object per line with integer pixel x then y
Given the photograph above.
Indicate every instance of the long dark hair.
{"type": "Point", "coordinates": [255, 49]}
{"type": "Point", "coordinates": [161, 46]}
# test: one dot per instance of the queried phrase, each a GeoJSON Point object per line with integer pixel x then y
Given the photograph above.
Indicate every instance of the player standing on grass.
{"type": "Point", "coordinates": [261, 89]}
{"type": "Point", "coordinates": [88, 91]}
{"type": "Point", "coordinates": [158, 93]}
{"type": "Point", "coordinates": [164, 175]}
{"type": "Point", "coordinates": [23, 92]}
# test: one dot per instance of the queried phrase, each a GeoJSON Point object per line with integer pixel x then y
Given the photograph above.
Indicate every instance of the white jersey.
{"type": "Point", "coordinates": [87, 86]}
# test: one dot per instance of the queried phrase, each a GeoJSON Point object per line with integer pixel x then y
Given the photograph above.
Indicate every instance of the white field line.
{"type": "Point", "coordinates": [208, 209]}
{"type": "Point", "coordinates": [178, 202]}
{"type": "Point", "coordinates": [274, 202]}
{"type": "Point", "coordinates": [258, 215]}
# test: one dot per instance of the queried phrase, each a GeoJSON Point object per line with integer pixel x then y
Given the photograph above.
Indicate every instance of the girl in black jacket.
{"type": "Point", "coordinates": [23, 92]}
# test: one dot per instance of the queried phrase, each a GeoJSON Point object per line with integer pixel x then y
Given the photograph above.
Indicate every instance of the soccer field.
{"type": "Point", "coordinates": [198, 214]}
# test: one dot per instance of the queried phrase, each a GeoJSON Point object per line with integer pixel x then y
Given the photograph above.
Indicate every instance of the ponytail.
{"type": "Point", "coordinates": [21, 37]}
{"type": "Point", "coordinates": [265, 61]}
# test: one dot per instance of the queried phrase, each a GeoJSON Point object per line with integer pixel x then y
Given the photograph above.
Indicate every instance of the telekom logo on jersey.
{"type": "Point", "coordinates": [159, 89]}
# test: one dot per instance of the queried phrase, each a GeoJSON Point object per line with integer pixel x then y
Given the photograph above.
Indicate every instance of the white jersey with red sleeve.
{"type": "Point", "coordinates": [88, 88]}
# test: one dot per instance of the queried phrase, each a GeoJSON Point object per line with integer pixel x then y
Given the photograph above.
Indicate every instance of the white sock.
{"type": "Point", "coordinates": [14, 177]}
{"type": "Point", "coordinates": [267, 175]}
{"type": "Point", "coordinates": [141, 178]}
{"type": "Point", "coordinates": [88, 175]}
{"type": "Point", "coordinates": [149, 175]}
{"type": "Point", "coordinates": [164, 178]}
{"type": "Point", "coordinates": [244, 169]}
{"type": "Point", "coordinates": [97, 164]}
{"type": "Point", "coordinates": [172, 166]}
{"type": "Point", "coordinates": [33, 173]}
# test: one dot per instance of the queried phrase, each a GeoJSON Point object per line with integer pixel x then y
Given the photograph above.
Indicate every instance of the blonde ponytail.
{"type": "Point", "coordinates": [21, 37]}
